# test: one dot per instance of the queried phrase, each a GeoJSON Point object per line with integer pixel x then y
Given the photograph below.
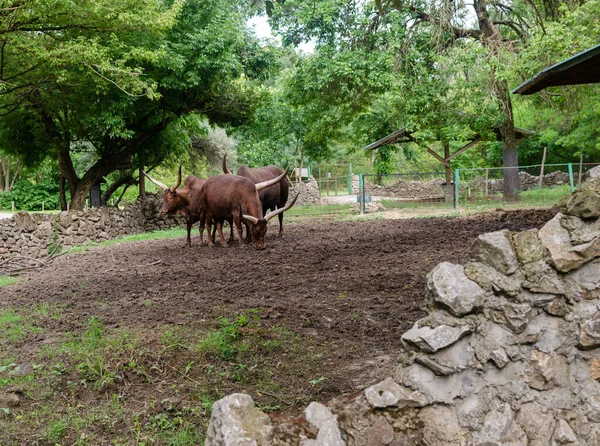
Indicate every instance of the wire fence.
{"type": "Point", "coordinates": [472, 189]}
{"type": "Point", "coordinates": [406, 190]}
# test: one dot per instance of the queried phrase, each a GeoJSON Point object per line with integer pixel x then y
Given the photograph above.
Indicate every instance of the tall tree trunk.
{"type": "Point", "coordinates": [63, 193]}
{"type": "Point", "coordinates": [492, 40]}
{"type": "Point", "coordinates": [301, 162]}
{"type": "Point", "coordinates": [125, 179]}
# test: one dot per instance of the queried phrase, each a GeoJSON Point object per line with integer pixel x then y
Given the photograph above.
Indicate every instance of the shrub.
{"type": "Point", "coordinates": [29, 196]}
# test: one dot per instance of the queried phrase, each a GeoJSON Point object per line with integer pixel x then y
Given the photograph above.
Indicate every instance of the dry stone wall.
{"type": "Point", "coordinates": [508, 354]}
{"type": "Point", "coordinates": [34, 235]}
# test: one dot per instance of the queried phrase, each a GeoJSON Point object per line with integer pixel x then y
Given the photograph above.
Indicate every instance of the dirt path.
{"type": "Point", "coordinates": [353, 287]}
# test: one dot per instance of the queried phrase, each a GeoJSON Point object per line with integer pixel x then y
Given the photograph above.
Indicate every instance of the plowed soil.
{"type": "Point", "coordinates": [352, 287]}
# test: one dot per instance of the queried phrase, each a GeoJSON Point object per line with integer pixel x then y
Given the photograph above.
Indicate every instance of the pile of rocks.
{"type": "Point", "coordinates": [509, 353]}
{"type": "Point", "coordinates": [309, 192]}
{"type": "Point", "coordinates": [415, 190]}
{"type": "Point", "coordinates": [32, 235]}
{"type": "Point", "coordinates": [526, 182]}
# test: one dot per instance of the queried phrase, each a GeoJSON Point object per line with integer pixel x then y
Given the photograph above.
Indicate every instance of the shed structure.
{"type": "Point", "coordinates": [583, 68]}
{"type": "Point", "coordinates": [403, 135]}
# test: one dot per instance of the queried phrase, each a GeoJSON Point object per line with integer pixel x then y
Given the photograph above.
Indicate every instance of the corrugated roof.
{"type": "Point", "coordinates": [583, 68]}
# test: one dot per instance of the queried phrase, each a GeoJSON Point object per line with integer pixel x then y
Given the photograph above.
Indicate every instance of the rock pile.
{"type": "Point", "coordinates": [526, 181]}
{"type": "Point", "coordinates": [309, 192]}
{"type": "Point", "coordinates": [509, 353]}
{"type": "Point", "coordinates": [415, 190]}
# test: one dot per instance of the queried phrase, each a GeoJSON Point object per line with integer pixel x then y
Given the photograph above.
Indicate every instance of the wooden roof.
{"type": "Point", "coordinates": [583, 68]}
{"type": "Point", "coordinates": [403, 135]}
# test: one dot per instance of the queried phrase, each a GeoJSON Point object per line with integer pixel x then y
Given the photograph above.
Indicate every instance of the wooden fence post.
{"type": "Point", "coordinates": [543, 163]}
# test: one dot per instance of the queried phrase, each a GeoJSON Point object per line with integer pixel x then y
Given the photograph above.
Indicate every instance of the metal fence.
{"type": "Point", "coordinates": [405, 190]}
{"type": "Point", "coordinates": [471, 189]}
{"type": "Point", "coordinates": [333, 179]}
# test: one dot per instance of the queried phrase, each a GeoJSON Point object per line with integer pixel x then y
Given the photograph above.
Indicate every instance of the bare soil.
{"type": "Point", "coordinates": [349, 288]}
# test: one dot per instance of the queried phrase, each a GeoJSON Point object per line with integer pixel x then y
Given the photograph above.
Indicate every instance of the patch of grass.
{"type": "Point", "coordinates": [99, 384]}
{"type": "Point", "coordinates": [155, 235]}
{"type": "Point", "coordinates": [15, 327]}
{"type": "Point", "coordinates": [7, 280]}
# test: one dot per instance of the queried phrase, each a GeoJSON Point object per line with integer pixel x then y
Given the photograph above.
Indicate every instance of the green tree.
{"type": "Point", "coordinates": [411, 49]}
{"type": "Point", "coordinates": [119, 78]}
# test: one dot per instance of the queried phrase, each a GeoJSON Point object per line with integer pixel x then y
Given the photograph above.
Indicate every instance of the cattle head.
{"type": "Point", "coordinates": [258, 226]}
{"type": "Point", "coordinates": [172, 201]}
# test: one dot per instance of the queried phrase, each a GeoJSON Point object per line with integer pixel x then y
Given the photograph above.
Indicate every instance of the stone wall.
{"type": "Point", "coordinates": [34, 235]}
{"type": "Point", "coordinates": [508, 354]}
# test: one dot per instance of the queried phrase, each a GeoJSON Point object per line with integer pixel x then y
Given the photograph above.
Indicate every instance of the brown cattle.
{"type": "Point", "coordinates": [231, 196]}
{"type": "Point", "coordinates": [271, 198]}
{"type": "Point", "coordinates": [185, 202]}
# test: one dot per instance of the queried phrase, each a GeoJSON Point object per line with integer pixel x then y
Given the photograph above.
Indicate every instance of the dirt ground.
{"type": "Point", "coordinates": [351, 287]}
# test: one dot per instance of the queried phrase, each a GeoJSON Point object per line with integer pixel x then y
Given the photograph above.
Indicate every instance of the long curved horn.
{"type": "Point", "coordinates": [272, 214]}
{"type": "Point", "coordinates": [264, 184]}
{"type": "Point", "coordinates": [178, 180]}
{"type": "Point", "coordinates": [225, 169]}
{"type": "Point", "coordinates": [250, 218]}
{"type": "Point", "coordinates": [158, 183]}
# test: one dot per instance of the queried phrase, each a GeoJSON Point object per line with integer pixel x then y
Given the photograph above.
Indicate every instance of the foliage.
{"type": "Point", "coordinates": [123, 88]}
{"type": "Point", "coordinates": [29, 196]}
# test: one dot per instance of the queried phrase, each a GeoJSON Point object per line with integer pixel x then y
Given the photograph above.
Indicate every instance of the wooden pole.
{"type": "Point", "coordinates": [543, 163]}
{"type": "Point", "coordinates": [142, 182]}
{"type": "Point", "coordinates": [487, 176]}
{"type": "Point", "coordinates": [446, 157]}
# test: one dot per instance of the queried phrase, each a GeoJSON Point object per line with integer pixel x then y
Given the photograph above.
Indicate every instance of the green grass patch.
{"type": "Point", "coordinates": [99, 384]}
{"type": "Point", "coordinates": [154, 235]}
{"type": "Point", "coordinates": [538, 197]}
{"type": "Point", "coordinates": [314, 210]}
{"type": "Point", "coordinates": [6, 280]}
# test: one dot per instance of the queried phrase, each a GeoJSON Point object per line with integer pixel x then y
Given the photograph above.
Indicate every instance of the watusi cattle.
{"type": "Point", "coordinates": [232, 196]}
{"type": "Point", "coordinates": [185, 202]}
{"type": "Point", "coordinates": [273, 197]}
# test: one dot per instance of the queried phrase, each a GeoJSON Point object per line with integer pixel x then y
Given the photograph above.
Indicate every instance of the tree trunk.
{"type": "Point", "coordinates": [301, 162]}
{"type": "Point", "coordinates": [125, 179]}
{"type": "Point", "coordinates": [492, 40]}
{"type": "Point", "coordinates": [63, 194]}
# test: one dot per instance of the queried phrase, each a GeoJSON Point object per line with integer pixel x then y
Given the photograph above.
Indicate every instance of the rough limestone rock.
{"type": "Point", "coordinates": [590, 333]}
{"type": "Point", "coordinates": [495, 249]}
{"type": "Point", "coordinates": [491, 280]}
{"type": "Point", "coordinates": [584, 204]}
{"type": "Point", "coordinates": [558, 242]}
{"type": "Point", "coordinates": [326, 423]}
{"type": "Point", "coordinates": [236, 422]}
{"type": "Point", "coordinates": [431, 340]}
{"type": "Point", "coordinates": [506, 356]}
{"type": "Point", "coordinates": [587, 279]}
{"type": "Point", "coordinates": [563, 434]}
{"type": "Point", "coordinates": [581, 231]}
{"type": "Point", "coordinates": [449, 287]}
{"type": "Point", "coordinates": [388, 393]}
{"type": "Point", "coordinates": [528, 246]}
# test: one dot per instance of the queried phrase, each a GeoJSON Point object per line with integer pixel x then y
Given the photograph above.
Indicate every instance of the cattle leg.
{"type": "Point", "coordinates": [231, 232]}
{"type": "Point", "coordinates": [221, 238]}
{"type": "Point", "coordinates": [237, 218]}
{"type": "Point", "coordinates": [209, 222]}
{"type": "Point", "coordinates": [189, 230]}
{"type": "Point", "coordinates": [201, 226]}
{"type": "Point", "coordinates": [248, 233]}
{"type": "Point", "coordinates": [280, 224]}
